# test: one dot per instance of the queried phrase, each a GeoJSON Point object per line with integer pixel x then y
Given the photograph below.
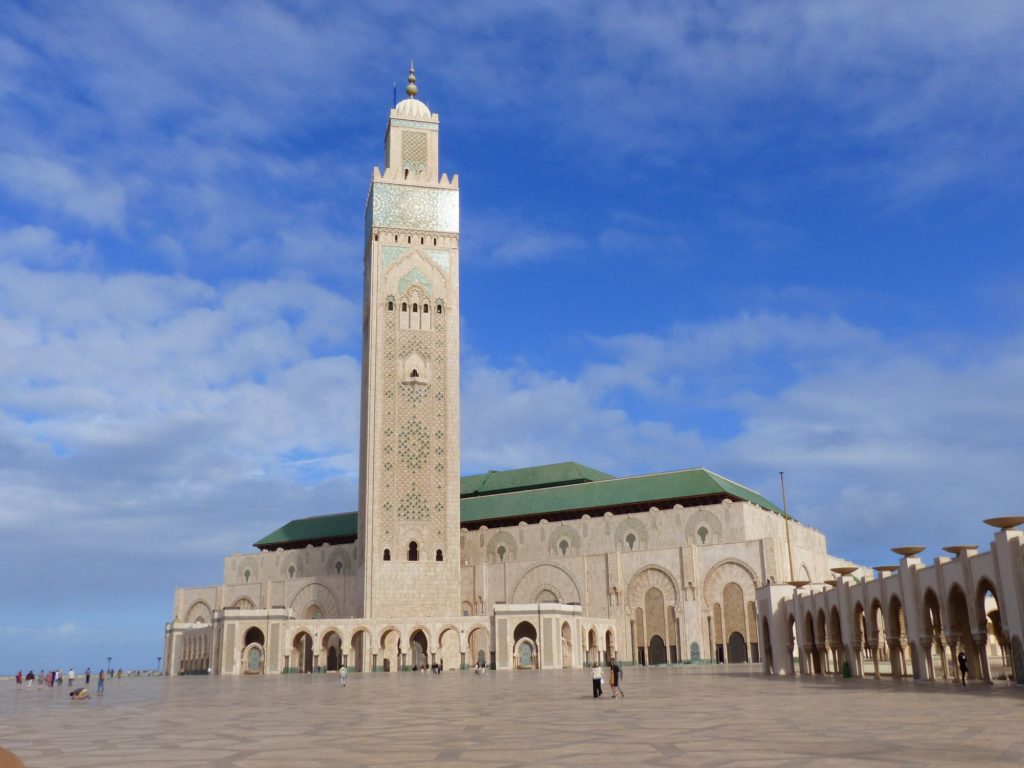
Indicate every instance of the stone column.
{"type": "Point", "coordinates": [981, 642]}
{"type": "Point", "coordinates": [925, 644]}
{"type": "Point", "coordinates": [874, 659]}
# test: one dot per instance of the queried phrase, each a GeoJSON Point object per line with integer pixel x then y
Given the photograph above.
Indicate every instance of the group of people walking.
{"type": "Point", "coordinates": [55, 678]}
{"type": "Point", "coordinates": [597, 677]}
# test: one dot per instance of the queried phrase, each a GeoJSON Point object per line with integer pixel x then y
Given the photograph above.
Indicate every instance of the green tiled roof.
{"type": "Point", "coordinates": [642, 489]}
{"type": "Point", "coordinates": [528, 478]}
{"type": "Point", "coordinates": [569, 487]}
{"type": "Point", "coordinates": [323, 527]}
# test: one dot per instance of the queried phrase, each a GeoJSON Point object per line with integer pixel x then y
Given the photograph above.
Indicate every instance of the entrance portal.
{"type": "Point", "coordinates": [737, 649]}
{"type": "Point", "coordinates": [657, 650]}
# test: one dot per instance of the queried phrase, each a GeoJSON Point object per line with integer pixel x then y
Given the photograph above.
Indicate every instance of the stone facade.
{"type": "Point", "coordinates": [649, 582]}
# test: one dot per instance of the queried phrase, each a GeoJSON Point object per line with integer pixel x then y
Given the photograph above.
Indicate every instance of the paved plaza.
{"type": "Point", "coordinates": [704, 716]}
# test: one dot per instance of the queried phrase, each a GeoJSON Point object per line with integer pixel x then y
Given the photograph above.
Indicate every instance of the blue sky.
{"type": "Point", "coordinates": [748, 236]}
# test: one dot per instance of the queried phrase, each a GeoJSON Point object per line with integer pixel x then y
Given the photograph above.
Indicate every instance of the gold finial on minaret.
{"type": "Point", "coordinates": [411, 88]}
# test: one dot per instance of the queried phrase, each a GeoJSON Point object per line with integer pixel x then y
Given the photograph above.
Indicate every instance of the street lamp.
{"type": "Point", "coordinates": [158, 660]}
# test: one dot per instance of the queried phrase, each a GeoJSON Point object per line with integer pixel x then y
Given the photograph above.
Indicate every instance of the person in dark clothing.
{"type": "Point", "coordinates": [962, 661]}
{"type": "Point", "coordinates": [617, 679]}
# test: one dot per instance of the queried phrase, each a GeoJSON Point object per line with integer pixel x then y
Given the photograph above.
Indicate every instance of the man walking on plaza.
{"type": "Point", "coordinates": [343, 675]}
{"type": "Point", "coordinates": [617, 679]}
{"type": "Point", "coordinates": [962, 661]}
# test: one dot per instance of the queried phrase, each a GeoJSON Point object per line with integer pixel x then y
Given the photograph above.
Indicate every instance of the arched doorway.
{"type": "Point", "coordinates": [332, 650]}
{"type": "Point", "coordinates": [360, 647]}
{"type": "Point", "coordinates": [302, 652]}
{"type": "Point", "coordinates": [821, 642]}
{"type": "Point", "coordinates": [609, 645]}
{"type": "Point", "coordinates": [793, 656]}
{"type": "Point", "coordinates": [448, 650]}
{"type": "Point", "coordinates": [935, 657]}
{"type": "Point", "coordinates": [995, 657]}
{"type": "Point", "coordinates": [813, 660]}
{"type": "Point", "coordinates": [898, 646]}
{"type": "Point", "coordinates": [737, 649]}
{"type": "Point", "coordinates": [479, 647]}
{"type": "Point", "coordinates": [658, 651]}
{"type": "Point", "coordinates": [253, 656]}
{"type": "Point", "coordinates": [860, 637]}
{"type": "Point", "coordinates": [418, 649]}
{"type": "Point", "coordinates": [836, 640]}
{"type": "Point", "coordinates": [524, 647]}
{"type": "Point", "coordinates": [388, 654]}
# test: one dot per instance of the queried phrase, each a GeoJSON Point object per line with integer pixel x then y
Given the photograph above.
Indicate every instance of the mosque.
{"type": "Point", "coordinates": [541, 567]}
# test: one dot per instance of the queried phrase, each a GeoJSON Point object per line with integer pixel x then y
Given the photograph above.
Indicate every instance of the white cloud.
{"type": "Point", "coordinates": [135, 403]}
{"type": "Point", "coordinates": [883, 444]}
{"type": "Point", "coordinates": [55, 185]}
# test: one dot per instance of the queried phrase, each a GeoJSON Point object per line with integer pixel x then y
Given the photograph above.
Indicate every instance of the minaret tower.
{"type": "Point", "coordinates": [409, 445]}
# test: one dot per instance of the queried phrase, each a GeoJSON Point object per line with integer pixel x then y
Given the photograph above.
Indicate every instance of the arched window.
{"type": "Point", "coordinates": [440, 309]}
{"type": "Point", "coordinates": [564, 546]}
{"type": "Point", "coordinates": [439, 556]}
{"type": "Point", "coordinates": [387, 554]}
{"type": "Point", "coordinates": [703, 533]}
{"type": "Point", "coordinates": [248, 575]}
{"type": "Point", "coordinates": [337, 567]}
{"type": "Point", "coordinates": [405, 307]}
{"type": "Point", "coordinates": [501, 553]}
{"type": "Point", "coordinates": [414, 374]}
{"type": "Point", "coordinates": [631, 540]}
{"type": "Point", "coordinates": [291, 571]}
{"type": "Point", "coordinates": [414, 551]}
{"type": "Point", "coordinates": [415, 307]}
{"type": "Point", "coordinates": [421, 241]}
{"type": "Point", "coordinates": [391, 306]}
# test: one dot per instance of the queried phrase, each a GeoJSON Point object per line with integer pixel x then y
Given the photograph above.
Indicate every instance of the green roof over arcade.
{"type": "Point", "coordinates": [552, 491]}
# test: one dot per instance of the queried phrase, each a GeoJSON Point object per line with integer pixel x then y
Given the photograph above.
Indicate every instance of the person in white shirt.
{"type": "Point", "coordinates": [598, 680]}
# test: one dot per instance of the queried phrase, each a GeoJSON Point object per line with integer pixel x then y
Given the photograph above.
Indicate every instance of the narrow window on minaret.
{"type": "Point", "coordinates": [391, 306]}
{"type": "Point", "coordinates": [387, 554]}
{"type": "Point", "coordinates": [421, 241]}
{"type": "Point", "coordinates": [439, 556]}
{"type": "Point", "coordinates": [435, 241]}
{"type": "Point", "coordinates": [415, 307]}
{"type": "Point", "coordinates": [414, 553]}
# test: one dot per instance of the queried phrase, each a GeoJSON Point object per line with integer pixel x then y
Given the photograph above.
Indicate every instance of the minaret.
{"type": "Point", "coordinates": [409, 445]}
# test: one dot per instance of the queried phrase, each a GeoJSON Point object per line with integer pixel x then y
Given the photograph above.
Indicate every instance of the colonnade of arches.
{"type": "Point", "coordinates": [875, 641]}
{"type": "Point", "coordinates": [388, 650]}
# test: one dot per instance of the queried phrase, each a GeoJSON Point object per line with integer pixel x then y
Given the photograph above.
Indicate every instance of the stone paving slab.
{"type": "Point", "coordinates": [704, 716]}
